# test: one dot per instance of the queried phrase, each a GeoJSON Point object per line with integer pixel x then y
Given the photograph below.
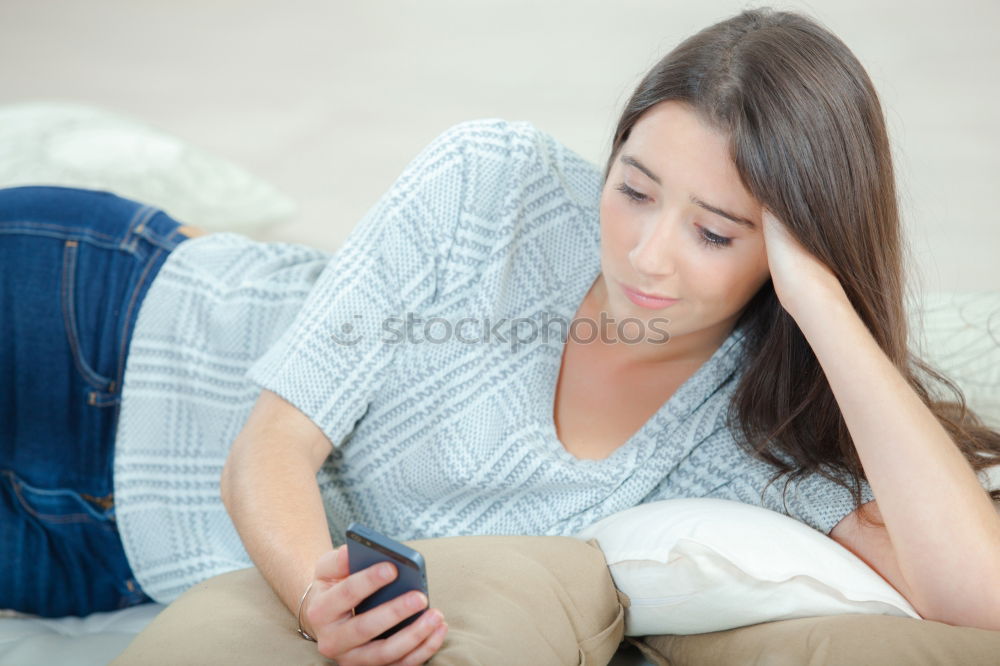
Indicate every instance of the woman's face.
{"type": "Point", "coordinates": [658, 235]}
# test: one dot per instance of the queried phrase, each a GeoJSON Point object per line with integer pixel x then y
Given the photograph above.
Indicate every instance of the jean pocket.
{"type": "Point", "coordinates": [92, 312]}
{"type": "Point", "coordinates": [68, 295]}
{"type": "Point", "coordinates": [62, 506]}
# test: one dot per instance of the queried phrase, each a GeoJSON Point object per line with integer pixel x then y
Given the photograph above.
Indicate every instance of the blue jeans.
{"type": "Point", "coordinates": [74, 267]}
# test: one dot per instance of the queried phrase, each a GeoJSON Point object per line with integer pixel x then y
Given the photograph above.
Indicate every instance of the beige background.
{"type": "Point", "coordinates": [329, 100]}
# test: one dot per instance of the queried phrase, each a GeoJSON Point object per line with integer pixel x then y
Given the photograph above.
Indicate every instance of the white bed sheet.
{"type": "Point", "coordinates": [97, 639]}
{"type": "Point", "coordinates": [72, 641]}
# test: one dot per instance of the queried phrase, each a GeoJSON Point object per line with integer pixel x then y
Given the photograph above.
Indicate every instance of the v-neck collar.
{"type": "Point", "coordinates": [679, 405]}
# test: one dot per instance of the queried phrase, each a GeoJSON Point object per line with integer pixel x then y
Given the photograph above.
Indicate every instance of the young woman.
{"type": "Point", "coordinates": [511, 341]}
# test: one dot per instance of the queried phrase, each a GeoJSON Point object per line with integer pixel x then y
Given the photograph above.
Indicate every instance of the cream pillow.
{"type": "Point", "coordinates": [958, 333]}
{"type": "Point", "coordinates": [696, 565]}
{"type": "Point", "coordinates": [74, 145]}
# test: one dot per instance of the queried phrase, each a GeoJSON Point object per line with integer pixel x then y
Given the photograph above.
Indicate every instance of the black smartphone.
{"type": "Point", "coordinates": [366, 547]}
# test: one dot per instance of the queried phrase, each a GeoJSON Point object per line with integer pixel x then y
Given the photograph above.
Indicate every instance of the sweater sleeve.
{"type": "Point", "coordinates": [336, 353]}
{"type": "Point", "coordinates": [812, 499]}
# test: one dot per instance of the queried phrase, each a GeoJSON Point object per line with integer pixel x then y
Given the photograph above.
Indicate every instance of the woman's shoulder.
{"type": "Point", "coordinates": [502, 154]}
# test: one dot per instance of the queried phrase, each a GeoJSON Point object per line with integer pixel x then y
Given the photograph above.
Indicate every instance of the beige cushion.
{"type": "Point", "coordinates": [839, 640]}
{"type": "Point", "coordinates": [507, 600]}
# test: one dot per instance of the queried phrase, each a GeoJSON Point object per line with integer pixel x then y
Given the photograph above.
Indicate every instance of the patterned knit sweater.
{"type": "Point", "coordinates": [439, 428]}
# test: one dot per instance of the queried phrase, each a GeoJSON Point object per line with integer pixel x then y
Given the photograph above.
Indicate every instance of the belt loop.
{"type": "Point", "coordinates": [136, 226]}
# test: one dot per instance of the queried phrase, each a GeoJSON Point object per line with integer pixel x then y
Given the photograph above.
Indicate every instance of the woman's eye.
{"type": "Point", "coordinates": [712, 240]}
{"type": "Point", "coordinates": [630, 193]}
{"type": "Point", "coordinates": [707, 237]}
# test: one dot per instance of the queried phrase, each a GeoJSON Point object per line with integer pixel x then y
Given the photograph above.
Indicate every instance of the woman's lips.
{"type": "Point", "coordinates": [645, 300]}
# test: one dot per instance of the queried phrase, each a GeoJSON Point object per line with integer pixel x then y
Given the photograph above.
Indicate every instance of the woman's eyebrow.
{"type": "Point", "coordinates": [742, 221]}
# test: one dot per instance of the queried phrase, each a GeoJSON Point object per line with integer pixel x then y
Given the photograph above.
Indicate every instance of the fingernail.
{"type": "Point", "coordinates": [385, 571]}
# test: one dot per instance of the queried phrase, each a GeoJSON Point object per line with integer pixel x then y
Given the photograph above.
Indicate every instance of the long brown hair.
{"type": "Point", "coordinates": [808, 139]}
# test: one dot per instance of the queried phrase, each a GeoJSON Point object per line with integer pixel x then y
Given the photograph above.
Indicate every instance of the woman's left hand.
{"type": "Point", "coordinates": [798, 276]}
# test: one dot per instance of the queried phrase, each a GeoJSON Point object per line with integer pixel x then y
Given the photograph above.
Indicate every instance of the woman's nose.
{"type": "Point", "coordinates": [655, 254]}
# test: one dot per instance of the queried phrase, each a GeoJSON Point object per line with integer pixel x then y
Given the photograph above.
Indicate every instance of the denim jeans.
{"type": "Point", "coordinates": [74, 267]}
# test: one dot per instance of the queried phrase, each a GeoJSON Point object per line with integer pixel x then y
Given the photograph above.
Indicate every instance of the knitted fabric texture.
{"type": "Point", "coordinates": [427, 349]}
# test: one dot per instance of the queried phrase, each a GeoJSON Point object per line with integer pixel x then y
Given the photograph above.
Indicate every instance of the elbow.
{"type": "Point", "coordinates": [993, 617]}
{"type": "Point", "coordinates": [967, 617]}
{"type": "Point", "coordinates": [994, 622]}
{"type": "Point", "coordinates": [981, 614]}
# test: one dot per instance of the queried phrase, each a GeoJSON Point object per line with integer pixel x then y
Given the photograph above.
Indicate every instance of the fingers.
{"type": "Point", "coordinates": [351, 640]}
{"type": "Point", "coordinates": [333, 565]}
{"type": "Point", "coordinates": [332, 605]}
{"type": "Point", "coordinates": [431, 644]}
{"type": "Point", "coordinates": [373, 622]}
{"type": "Point", "coordinates": [360, 585]}
{"type": "Point", "coordinates": [411, 646]}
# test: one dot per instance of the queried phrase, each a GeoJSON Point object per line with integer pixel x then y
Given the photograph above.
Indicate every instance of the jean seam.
{"type": "Point", "coordinates": [102, 399]}
{"type": "Point", "coordinates": [47, 227]}
{"type": "Point", "coordinates": [70, 518]}
{"type": "Point", "coordinates": [68, 292]}
{"type": "Point", "coordinates": [126, 324]}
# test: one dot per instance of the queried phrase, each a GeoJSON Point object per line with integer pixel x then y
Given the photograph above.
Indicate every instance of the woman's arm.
{"type": "Point", "coordinates": [941, 522]}
{"type": "Point", "coordinates": [269, 488]}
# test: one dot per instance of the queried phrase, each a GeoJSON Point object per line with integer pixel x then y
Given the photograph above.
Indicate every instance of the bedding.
{"type": "Point", "coordinates": [71, 641]}
{"type": "Point", "coordinates": [958, 332]}
{"type": "Point", "coordinates": [78, 145]}
{"type": "Point", "coordinates": [837, 640]}
{"type": "Point", "coordinates": [698, 565]}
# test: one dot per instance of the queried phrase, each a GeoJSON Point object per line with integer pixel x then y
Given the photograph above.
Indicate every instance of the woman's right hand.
{"type": "Point", "coordinates": [348, 638]}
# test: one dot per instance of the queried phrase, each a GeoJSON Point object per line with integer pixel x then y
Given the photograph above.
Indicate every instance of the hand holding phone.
{"type": "Point", "coordinates": [350, 634]}
{"type": "Point", "coordinates": [367, 548]}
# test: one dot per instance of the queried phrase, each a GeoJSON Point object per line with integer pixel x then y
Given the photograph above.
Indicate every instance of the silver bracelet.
{"type": "Point", "coordinates": [298, 614]}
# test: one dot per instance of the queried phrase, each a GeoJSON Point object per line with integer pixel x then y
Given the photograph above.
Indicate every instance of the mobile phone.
{"type": "Point", "coordinates": [366, 547]}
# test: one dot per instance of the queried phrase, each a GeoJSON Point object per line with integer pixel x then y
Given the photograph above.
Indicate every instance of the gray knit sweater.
{"type": "Point", "coordinates": [434, 434]}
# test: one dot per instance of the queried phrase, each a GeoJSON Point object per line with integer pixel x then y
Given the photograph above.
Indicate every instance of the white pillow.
{"type": "Point", "coordinates": [696, 565]}
{"type": "Point", "coordinates": [74, 145]}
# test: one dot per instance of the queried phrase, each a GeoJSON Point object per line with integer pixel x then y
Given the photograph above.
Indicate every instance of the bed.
{"type": "Point", "coordinates": [957, 331]}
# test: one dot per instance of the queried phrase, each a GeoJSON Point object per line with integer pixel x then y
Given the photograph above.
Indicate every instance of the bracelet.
{"type": "Point", "coordinates": [298, 614]}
